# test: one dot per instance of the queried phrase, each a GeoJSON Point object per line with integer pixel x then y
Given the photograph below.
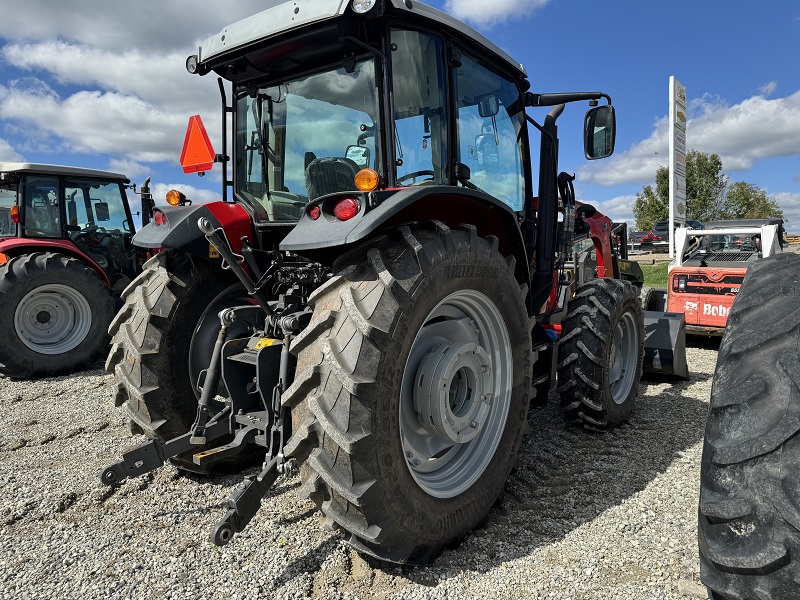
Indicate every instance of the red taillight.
{"type": "Point", "coordinates": [345, 209]}
{"type": "Point", "coordinates": [159, 218]}
{"type": "Point", "coordinates": [14, 214]}
{"type": "Point", "coordinates": [314, 212]}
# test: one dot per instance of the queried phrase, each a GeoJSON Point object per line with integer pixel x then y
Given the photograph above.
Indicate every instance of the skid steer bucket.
{"type": "Point", "coordinates": [665, 344]}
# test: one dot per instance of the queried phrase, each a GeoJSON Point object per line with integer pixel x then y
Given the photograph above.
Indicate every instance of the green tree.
{"type": "Point", "coordinates": [705, 186]}
{"type": "Point", "coordinates": [748, 201]}
{"type": "Point", "coordinates": [653, 204]}
{"type": "Point", "coordinates": [709, 195]}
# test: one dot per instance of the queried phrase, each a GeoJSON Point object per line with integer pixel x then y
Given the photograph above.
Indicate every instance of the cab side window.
{"type": "Point", "coordinates": [42, 218]}
{"type": "Point", "coordinates": [8, 198]}
{"type": "Point", "coordinates": [489, 132]}
{"type": "Point", "coordinates": [419, 108]}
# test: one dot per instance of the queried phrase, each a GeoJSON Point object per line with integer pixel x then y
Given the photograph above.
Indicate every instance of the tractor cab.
{"type": "Point", "coordinates": [81, 212]}
{"type": "Point", "coordinates": [352, 116]}
{"type": "Point", "coordinates": [372, 104]}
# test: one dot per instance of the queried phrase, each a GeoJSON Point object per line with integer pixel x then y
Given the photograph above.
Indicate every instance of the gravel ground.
{"type": "Point", "coordinates": [587, 516]}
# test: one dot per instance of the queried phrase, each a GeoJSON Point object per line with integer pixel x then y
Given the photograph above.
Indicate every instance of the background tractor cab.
{"type": "Point", "coordinates": [81, 212]}
{"type": "Point", "coordinates": [66, 255]}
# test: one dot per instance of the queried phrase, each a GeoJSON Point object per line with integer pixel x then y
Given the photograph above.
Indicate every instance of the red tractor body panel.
{"type": "Point", "coordinates": [15, 246]}
{"type": "Point", "coordinates": [234, 220]}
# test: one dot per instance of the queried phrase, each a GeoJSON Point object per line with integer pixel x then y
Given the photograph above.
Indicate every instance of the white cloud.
{"type": "Point", "coordinates": [155, 77]}
{"type": "Point", "coordinates": [130, 168]}
{"type": "Point", "coordinates": [768, 88]}
{"type": "Point", "coordinates": [789, 202]}
{"type": "Point", "coordinates": [167, 24]}
{"type": "Point", "coordinates": [8, 154]}
{"type": "Point", "coordinates": [92, 122]}
{"type": "Point", "coordinates": [755, 128]}
{"type": "Point", "coordinates": [481, 12]}
{"type": "Point", "coordinates": [618, 209]}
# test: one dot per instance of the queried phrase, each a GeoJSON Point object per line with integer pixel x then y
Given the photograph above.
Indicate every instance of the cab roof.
{"type": "Point", "coordinates": [288, 16]}
{"type": "Point", "coordinates": [45, 169]}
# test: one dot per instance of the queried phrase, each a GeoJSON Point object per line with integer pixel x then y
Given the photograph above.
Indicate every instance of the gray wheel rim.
{"type": "Point", "coordinates": [624, 357]}
{"type": "Point", "coordinates": [53, 319]}
{"type": "Point", "coordinates": [455, 394]}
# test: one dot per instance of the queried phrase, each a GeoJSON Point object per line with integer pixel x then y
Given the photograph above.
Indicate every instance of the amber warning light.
{"type": "Point", "coordinates": [197, 155]}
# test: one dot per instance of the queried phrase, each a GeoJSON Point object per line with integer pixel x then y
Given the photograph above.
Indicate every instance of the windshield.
{"type": "Point", "coordinates": [8, 198]}
{"type": "Point", "coordinates": [316, 133]}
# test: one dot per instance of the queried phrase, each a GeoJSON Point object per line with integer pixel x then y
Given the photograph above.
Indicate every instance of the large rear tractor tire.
{"type": "Point", "coordinates": [412, 389]}
{"type": "Point", "coordinates": [54, 317]}
{"type": "Point", "coordinates": [162, 339]}
{"type": "Point", "coordinates": [749, 514]}
{"type": "Point", "coordinates": [600, 354]}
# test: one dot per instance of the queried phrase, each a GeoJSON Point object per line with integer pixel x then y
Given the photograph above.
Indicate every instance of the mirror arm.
{"type": "Point", "coordinates": [555, 99]}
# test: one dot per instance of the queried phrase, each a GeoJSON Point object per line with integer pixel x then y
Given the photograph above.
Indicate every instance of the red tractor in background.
{"type": "Point", "coordinates": [404, 295]}
{"type": "Point", "coordinates": [66, 255]}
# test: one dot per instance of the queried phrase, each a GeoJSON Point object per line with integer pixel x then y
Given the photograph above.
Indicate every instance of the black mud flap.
{"type": "Point", "coordinates": [665, 344]}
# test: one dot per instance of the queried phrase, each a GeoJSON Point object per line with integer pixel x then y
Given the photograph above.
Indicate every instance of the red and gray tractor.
{"type": "Point", "coordinates": [66, 255]}
{"type": "Point", "coordinates": [407, 297]}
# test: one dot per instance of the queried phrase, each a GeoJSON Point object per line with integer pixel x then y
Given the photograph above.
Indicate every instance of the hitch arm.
{"type": "Point", "coordinates": [152, 454]}
{"type": "Point", "coordinates": [244, 504]}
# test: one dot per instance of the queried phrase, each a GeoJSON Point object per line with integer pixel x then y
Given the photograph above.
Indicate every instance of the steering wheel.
{"type": "Point", "coordinates": [414, 174]}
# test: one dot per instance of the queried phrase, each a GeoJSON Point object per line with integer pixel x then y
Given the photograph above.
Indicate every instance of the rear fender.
{"type": "Point", "coordinates": [18, 246]}
{"type": "Point", "coordinates": [181, 231]}
{"type": "Point", "coordinates": [326, 238]}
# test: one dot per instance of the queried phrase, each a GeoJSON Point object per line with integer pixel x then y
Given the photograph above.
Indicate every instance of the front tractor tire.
{"type": "Point", "coordinates": [54, 317]}
{"type": "Point", "coordinates": [412, 389]}
{"type": "Point", "coordinates": [749, 512]}
{"type": "Point", "coordinates": [162, 339]}
{"type": "Point", "coordinates": [600, 354]}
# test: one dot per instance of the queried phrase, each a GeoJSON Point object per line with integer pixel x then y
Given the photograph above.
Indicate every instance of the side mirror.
{"type": "Point", "coordinates": [359, 155]}
{"type": "Point", "coordinates": [101, 211]}
{"type": "Point", "coordinates": [599, 132]}
{"type": "Point", "coordinates": [488, 106]}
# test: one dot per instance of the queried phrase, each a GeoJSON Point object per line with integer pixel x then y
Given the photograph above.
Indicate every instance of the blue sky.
{"type": "Point", "coordinates": [102, 84]}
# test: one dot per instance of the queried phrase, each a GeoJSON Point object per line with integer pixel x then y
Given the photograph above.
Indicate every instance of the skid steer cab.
{"type": "Point", "coordinates": [405, 302]}
{"type": "Point", "coordinates": [66, 255]}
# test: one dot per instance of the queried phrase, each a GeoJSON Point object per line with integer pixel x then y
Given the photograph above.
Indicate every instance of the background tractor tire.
{"type": "Point", "coordinates": [54, 318]}
{"type": "Point", "coordinates": [749, 514]}
{"type": "Point", "coordinates": [653, 299]}
{"type": "Point", "coordinates": [600, 354]}
{"type": "Point", "coordinates": [424, 320]}
{"type": "Point", "coordinates": [163, 337]}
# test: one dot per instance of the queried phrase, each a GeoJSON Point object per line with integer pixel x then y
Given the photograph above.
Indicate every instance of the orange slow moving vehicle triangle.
{"type": "Point", "coordinates": [197, 154]}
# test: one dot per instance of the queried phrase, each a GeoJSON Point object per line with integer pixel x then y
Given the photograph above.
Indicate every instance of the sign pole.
{"type": "Point", "coordinates": [677, 159]}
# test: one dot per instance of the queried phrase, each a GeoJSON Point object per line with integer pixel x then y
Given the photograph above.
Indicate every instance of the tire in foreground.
{"type": "Point", "coordinates": [749, 513]}
{"type": "Point", "coordinates": [412, 387]}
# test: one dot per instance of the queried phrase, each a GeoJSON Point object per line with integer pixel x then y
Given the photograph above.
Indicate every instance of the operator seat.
{"type": "Point", "coordinates": [329, 175]}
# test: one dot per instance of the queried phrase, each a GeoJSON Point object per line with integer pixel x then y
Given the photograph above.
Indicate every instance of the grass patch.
{"type": "Point", "coordinates": [655, 275]}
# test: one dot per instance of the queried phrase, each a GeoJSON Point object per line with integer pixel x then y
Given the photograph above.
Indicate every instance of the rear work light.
{"type": "Point", "coordinates": [367, 180]}
{"type": "Point", "coordinates": [345, 209]}
{"type": "Point", "coordinates": [159, 218]}
{"type": "Point", "coordinates": [679, 283]}
{"type": "Point", "coordinates": [174, 198]}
